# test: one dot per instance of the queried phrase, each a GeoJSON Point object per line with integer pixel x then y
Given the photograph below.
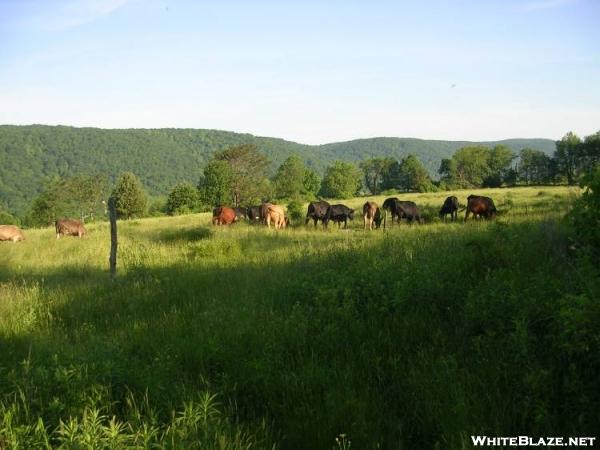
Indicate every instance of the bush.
{"type": "Point", "coordinates": [295, 210]}
{"type": "Point", "coordinates": [585, 215]}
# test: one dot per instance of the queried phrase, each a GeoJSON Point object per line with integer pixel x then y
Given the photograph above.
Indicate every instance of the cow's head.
{"type": "Point", "coordinates": [351, 214]}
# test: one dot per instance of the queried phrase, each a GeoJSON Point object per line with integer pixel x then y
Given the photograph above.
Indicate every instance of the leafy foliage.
{"type": "Point", "coordinates": [215, 184]}
{"type": "Point", "coordinates": [294, 180]}
{"type": "Point", "coordinates": [247, 167]}
{"type": "Point", "coordinates": [585, 215]}
{"type": "Point", "coordinates": [341, 180]}
{"type": "Point", "coordinates": [376, 172]}
{"type": "Point", "coordinates": [33, 155]}
{"type": "Point", "coordinates": [131, 200]}
{"type": "Point", "coordinates": [412, 176]}
{"type": "Point", "coordinates": [182, 199]}
{"type": "Point", "coordinates": [81, 197]}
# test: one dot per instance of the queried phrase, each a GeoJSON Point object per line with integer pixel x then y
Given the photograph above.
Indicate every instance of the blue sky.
{"type": "Point", "coordinates": [309, 71]}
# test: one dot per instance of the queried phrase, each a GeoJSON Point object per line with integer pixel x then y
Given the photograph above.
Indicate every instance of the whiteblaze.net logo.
{"type": "Point", "coordinates": [527, 441]}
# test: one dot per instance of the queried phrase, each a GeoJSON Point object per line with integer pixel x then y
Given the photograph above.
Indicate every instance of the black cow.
{"type": "Point", "coordinates": [408, 210]}
{"type": "Point", "coordinates": [402, 210]}
{"type": "Point", "coordinates": [316, 211]}
{"type": "Point", "coordinates": [390, 205]}
{"type": "Point", "coordinates": [240, 213]}
{"type": "Point", "coordinates": [339, 214]}
{"type": "Point", "coordinates": [450, 206]}
{"type": "Point", "coordinates": [253, 213]}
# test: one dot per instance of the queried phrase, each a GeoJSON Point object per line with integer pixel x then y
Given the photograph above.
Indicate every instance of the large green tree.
{"type": "Point", "coordinates": [590, 152]}
{"type": "Point", "coordinates": [294, 180]}
{"type": "Point", "coordinates": [567, 155]}
{"type": "Point", "coordinates": [289, 179]}
{"type": "Point", "coordinates": [413, 176]}
{"type": "Point", "coordinates": [341, 180]}
{"type": "Point", "coordinates": [130, 196]}
{"type": "Point", "coordinates": [534, 167]}
{"type": "Point", "coordinates": [376, 173]}
{"type": "Point", "coordinates": [215, 184]}
{"type": "Point", "coordinates": [500, 158]}
{"type": "Point", "coordinates": [248, 172]}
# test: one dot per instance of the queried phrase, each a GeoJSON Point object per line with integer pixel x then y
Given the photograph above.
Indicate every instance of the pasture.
{"type": "Point", "coordinates": [244, 337]}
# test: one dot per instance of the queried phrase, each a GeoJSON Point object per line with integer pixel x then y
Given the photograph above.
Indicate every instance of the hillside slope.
{"type": "Point", "coordinates": [31, 154]}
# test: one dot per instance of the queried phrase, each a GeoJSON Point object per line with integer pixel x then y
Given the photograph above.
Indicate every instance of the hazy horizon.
{"type": "Point", "coordinates": [308, 72]}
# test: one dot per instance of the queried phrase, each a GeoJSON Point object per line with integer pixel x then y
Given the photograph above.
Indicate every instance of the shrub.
{"type": "Point", "coordinates": [295, 210]}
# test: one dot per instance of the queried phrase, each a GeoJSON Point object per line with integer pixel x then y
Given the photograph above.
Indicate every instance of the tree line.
{"type": "Point", "coordinates": [239, 176]}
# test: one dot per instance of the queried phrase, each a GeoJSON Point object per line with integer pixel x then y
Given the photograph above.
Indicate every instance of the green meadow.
{"type": "Point", "coordinates": [416, 336]}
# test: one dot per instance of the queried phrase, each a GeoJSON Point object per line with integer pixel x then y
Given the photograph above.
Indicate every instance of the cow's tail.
{"type": "Point", "coordinates": [461, 208]}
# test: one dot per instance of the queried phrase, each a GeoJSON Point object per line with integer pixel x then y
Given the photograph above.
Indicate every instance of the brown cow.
{"type": "Point", "coordinates": [276, 214]}
{"type": "Point", "coordinates": [480, 206]}
{"type": "Point", "coordinates": [371, 213]}
{"type": "Point", "coordinates": [11, 233]}
{"type": "Point", "coordinates": [69, 227]}
{"type": "Point", "coordinates": [223, 216]}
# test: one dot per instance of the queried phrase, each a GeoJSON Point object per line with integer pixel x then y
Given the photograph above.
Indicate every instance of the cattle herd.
{"type": "Point", "coordinates": [373, 215]}
{"type": "Point", "coordinates": [269, 213]}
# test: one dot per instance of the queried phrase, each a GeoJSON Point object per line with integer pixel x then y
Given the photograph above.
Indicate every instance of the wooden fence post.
{"type": "Point", "coordinates": [112, 214]}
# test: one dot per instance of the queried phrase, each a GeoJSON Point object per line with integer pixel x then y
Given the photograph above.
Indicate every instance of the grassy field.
{"type": "Point", "coordinates": [242, 337]}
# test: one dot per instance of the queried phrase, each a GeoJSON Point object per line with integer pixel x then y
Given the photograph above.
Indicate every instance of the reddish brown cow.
{"type": "Point", "coordinates": [223, 216]}
{"type": "Point", "coordinates": [69, 227]}
{"type": "Point", "coordinates": [11, 233]}
{"type": "Point", "coordinates": [480, 206]}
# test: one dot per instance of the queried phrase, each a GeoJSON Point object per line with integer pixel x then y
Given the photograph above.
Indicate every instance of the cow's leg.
{"type": "Point", "coordinates": [316, 220]}
{"type": "Point", "coordinates": [467, 214]}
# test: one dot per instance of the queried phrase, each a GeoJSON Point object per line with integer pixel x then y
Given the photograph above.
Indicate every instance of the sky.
{"type": "Point", "coordinates": [308, 71]}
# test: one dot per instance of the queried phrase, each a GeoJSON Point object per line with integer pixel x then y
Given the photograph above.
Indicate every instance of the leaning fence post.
{"type": "Point", "coordinates": [112, 215]}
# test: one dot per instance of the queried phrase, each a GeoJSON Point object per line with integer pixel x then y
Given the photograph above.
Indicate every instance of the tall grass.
{"type": "Point", "coordinates": [242, 337]}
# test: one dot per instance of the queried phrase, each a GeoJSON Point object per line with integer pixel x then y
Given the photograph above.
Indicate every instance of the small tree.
{"type": "Point", "coordinates": [215, 186]}
{"type": "Point", "coordinates": [131, 200]}
{"type": "Point", "coordinates": [182, 199]}
{"type": "Point", "coordinates": [7, 218]}
{"type": "Point", "coordinates": [341, 180]}
{"type": "Point", "coordinates": [413, 176]}
{"type": "Point", "coordinates": [311, 184]}
{"type": "Point", "coordinates": [289, 180]}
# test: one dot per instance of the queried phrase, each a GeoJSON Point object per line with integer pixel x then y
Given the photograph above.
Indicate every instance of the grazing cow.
{"type": "Point", "coordinates": [316, 211]}
{"type": "Point", "coordinates": [223, 215]}
{"type": "Point", "coordinates": [450, 206]}
{"type": "Point", "coordinates": [371, 214]}
{"type": "Point", "coordinates": [276, 214]}
{"type": "Point", "coordinates": [391, 206]}
{"type": "Point", "coordinates": [240, 213]}
{"type": "Point", "coordinates": [69, 227]}
{"type": "Point", "coordinates": [11, 233]}
{"type": "Point", "coordinates": [264, 209]}
{"type": "Point", "coordinates": [253, 213]}
{"type": "Point", "coordinates": [480, 206]}
{"type": "Point", "coordinates": [401, 209]}
{"type": "Point", "coordinates": [339, 214]}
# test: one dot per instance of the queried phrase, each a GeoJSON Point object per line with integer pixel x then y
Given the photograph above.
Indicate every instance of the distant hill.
{"type": "Point", "coordinates": [29, 155]}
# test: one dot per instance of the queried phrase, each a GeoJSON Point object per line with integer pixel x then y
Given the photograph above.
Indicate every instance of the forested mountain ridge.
{"type": "Point", "coordinates": [30, 155]}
